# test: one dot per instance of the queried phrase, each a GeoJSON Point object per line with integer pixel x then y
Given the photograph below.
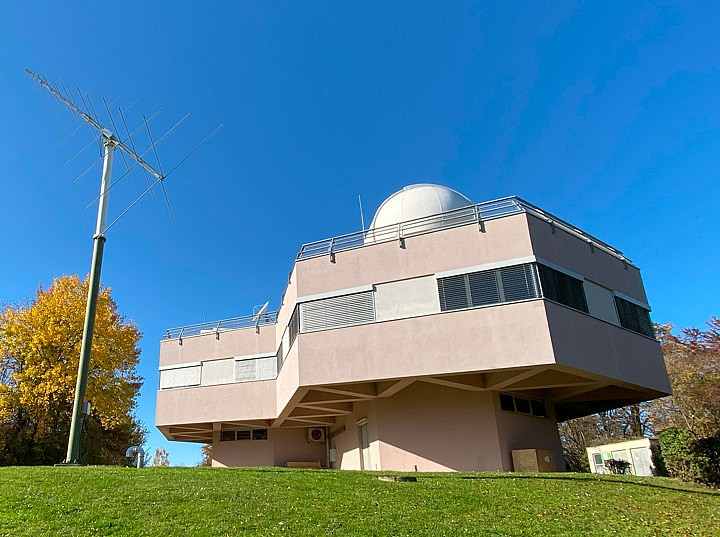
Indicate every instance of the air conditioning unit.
{"type": "Point", "coordinates": [316, 434]}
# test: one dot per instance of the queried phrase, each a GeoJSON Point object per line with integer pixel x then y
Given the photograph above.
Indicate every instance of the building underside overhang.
{"type": "Point", "coordinates": [573, 393]}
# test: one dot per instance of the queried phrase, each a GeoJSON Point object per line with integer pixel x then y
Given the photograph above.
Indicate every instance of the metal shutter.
{"type": "Point", "coordinates": [562, 288]}
{"type": "Point", "coordinates": [338, 311]}
{"type": "Point", "coordinates": [294, 326]}
{"type": "Point", "coordinates": [453, 293]}
{"type": "Point", "coordinates": [518, 282]}
{"type": "Point", "coordinates": [483, 288]}
{"type": "Point", "coordinates": [634, 317]}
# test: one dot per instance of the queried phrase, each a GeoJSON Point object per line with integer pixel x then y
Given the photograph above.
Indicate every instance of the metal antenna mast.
{"type": "Point", "coordinates": [110, 143]}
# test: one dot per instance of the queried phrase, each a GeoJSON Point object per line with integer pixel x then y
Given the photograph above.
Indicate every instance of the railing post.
{"type": "Point", "coordinates": [478, 215]}
{"type": "Point", "coordinates": [330, 250]}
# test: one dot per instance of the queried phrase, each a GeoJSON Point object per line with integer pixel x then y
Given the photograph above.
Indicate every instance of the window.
{"type": "Point", "coordinates": [507, 284]}
{"type": "Point", "coordinates": [507, 402]}
{"type": "Point", "coordinates": [294, 326]}
{"type": "Point", "coordinates": [634, 317]}
{"type": "Point", "coordinates": [532, 407]}
{"type": "Point", "coordinates": [562, 288]}
{"type": "Point", "coordinates": [244, 434]}
{"type": "Point", "coordinates": [337, 311]}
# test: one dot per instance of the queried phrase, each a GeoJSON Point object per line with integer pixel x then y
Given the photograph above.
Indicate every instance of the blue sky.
{"type": "Point", "coordinates": [606, 114]}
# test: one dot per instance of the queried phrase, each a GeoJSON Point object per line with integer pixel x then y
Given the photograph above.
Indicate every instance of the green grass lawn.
{"type": "Point", "coordinates": [273, 501]}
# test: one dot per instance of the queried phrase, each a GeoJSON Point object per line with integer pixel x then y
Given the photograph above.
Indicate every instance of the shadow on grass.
{"type": "Point", "coordinates": [618, 480]}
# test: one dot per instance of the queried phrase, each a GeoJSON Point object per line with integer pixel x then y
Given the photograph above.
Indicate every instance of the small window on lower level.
{"type": "Point", "coordinates": [244, 434]}
{"type": "Point", "coordinates": [507, 403]}
{"type": "Point", "coordinates": [538, 408]}
{"type": "Point", "coordinates": [521, 405]}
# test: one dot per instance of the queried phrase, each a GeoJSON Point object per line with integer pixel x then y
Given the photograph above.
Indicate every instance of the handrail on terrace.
{"type": "Point", "coordinates": [479, 213]}
{"type": "Point", "coordinates": [215, 327]}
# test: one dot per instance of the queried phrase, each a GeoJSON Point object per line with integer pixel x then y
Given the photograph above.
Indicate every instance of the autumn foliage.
{"type": "Point", "coordinates": [39, 353]}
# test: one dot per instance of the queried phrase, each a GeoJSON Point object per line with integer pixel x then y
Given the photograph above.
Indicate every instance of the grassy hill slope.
{"type": "Point", "coordinates": [271, 501]}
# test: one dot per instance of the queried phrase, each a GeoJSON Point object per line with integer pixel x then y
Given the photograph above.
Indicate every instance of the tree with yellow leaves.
{"type": "Point", "coordinates": [39, 353]}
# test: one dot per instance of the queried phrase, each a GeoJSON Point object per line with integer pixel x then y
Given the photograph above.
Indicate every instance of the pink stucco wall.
{"type": "Point", "coordinates": [224, 402]}
{"type": "Point", "coordinates": [504, 238]}
{"type": "Point", "coordinates": [594, 264]}
{"type": "Point", "coordinates": [242, 342]}
{"type": "Point", "coordinates": [431, 428]}
{"type": "Point", "coordinates": [438, 429]}
{"type": "Point", "coordinates": [481, 339]}
{"type": "Point", "coordinates": [590, 344]}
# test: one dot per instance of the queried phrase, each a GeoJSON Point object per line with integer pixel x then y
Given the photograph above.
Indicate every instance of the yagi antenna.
{"type": "Point", "coordinates": [109, 143]}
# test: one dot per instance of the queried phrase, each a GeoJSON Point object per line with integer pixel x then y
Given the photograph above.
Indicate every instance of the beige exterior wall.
{"type": "Point", "coordinates": [480, 339]}
{"type": "Point", "coordinates": [434, 429]}
{"type": "Point", "coordinates": [593, 345]}
{"type": "Point", "coordinates": [593, 263]}
{"type": "Point", "coordinates": [423, 255]}
{"type": "Point", "coordinates": [225, 402]}
{"type": "Point", "coordinates": [229, 343]}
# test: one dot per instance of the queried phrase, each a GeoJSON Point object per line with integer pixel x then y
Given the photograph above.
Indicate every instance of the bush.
{"type": "Point", "coordinates": [691, 459]}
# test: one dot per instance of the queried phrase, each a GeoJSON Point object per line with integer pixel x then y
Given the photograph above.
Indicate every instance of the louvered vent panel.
{"type": "Point", "coordinates": [453, 292]}
{"type": "Point", "coordinates": [335, 312]}
{"type": "Point", "coordinates": [483, 288]}
{"type": "Point", "coordinates": [518, 282]}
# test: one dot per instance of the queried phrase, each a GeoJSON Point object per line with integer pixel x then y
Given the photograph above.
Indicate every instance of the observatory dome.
{"type": "Point", "coordinates": [417, 201]}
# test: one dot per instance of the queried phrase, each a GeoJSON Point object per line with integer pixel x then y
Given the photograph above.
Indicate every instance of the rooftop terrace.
{"type": "Point", "coordinates": [472, 214]}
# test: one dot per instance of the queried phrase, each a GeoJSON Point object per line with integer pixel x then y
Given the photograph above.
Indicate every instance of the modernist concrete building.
{"type": "Point", "coordinates": [443, 338]}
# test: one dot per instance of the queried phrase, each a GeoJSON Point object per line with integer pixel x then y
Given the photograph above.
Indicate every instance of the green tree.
{"type": "Point", "coordinates": [39, 353]}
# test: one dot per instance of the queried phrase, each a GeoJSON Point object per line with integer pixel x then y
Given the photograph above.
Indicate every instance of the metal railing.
{"type": "Point", "coordinates": [472, 214]}
{"type": "Point", "coordinates": [215, 327]}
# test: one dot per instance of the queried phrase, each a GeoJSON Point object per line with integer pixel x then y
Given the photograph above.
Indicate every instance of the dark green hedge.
{"type": "Point", "coordinates": [689, 458]}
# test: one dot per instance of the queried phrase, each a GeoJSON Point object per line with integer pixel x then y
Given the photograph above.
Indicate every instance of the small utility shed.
{"type": "Point", "coordinates": [637, 452]}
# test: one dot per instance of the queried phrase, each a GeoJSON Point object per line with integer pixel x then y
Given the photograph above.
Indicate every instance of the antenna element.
{"type": "Point", "coordinates": [109, 144]}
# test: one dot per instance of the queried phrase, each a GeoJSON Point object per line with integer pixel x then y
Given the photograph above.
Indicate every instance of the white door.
{"type": "Point", "coordinates": [641, 461]}
{"type": "Point", "coordinates": [365, 448]}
